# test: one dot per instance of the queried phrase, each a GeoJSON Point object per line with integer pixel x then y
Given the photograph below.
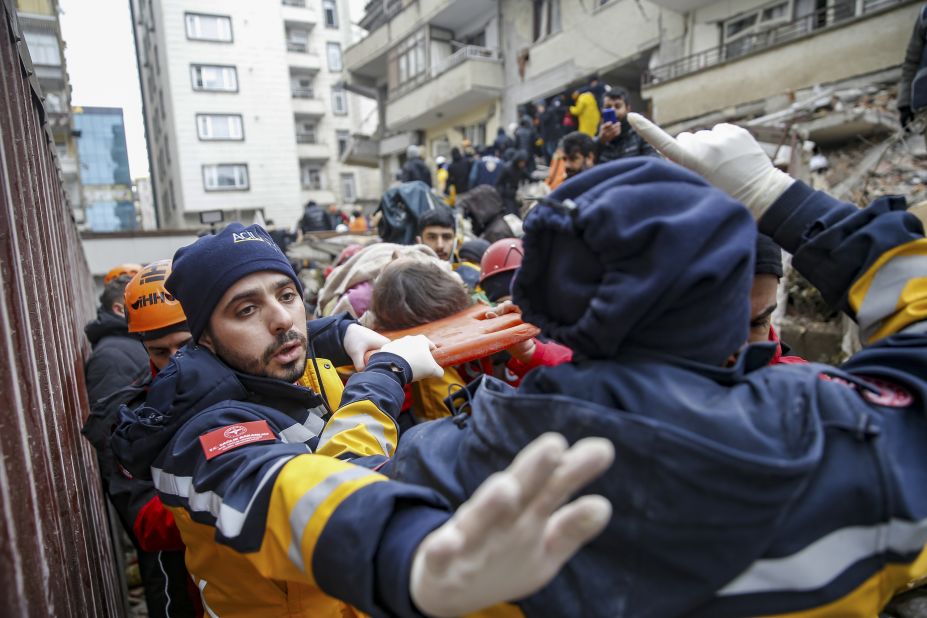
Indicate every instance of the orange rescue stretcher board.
{"type": "Point", "coordinates": [468, 335]}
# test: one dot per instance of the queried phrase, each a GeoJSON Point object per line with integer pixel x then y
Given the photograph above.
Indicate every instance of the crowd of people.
{"type": "Point", "coordinates": [655, 451]}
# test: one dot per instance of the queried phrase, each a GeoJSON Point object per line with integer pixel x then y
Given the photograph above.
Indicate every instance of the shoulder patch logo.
{"type": "Point", "coordinates": [230, 437]}
{"type": "Point", "coordinates": [245, 237]}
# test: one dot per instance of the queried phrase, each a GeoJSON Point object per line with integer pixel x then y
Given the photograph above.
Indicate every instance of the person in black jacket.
{"type": "Point", "coordinates": [525, 138]}
{"type": "Point", "coordinates": [514, 172]}
{"type": "Point", "coordinates": [415, 168]}
{"type": "Point", "coordinates": [314, 219]}
{"type": "Point", "coordinates": [912, 90]}
{"type": "Point", "coordinates": [117, 358]}
{"type": "Point", "coordinates": [458, 172]}
{"type": "Point", "coordinates": [618, 140]}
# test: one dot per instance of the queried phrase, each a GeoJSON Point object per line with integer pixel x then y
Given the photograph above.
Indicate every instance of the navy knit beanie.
{"type": "Point", "coordinates": [768, 257]}
{"type": "Point", "coordinates": [652, 259]}
{"type": "Point", "coordinates": [203, 271]}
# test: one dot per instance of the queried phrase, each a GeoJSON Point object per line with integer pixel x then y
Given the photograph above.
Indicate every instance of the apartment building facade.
{"type": "Point", "coordinates": [38, 20]}
{"type": "Point", "coordinates": [445, 70]}
{"type": "Point", "coordinates": [243, 108]}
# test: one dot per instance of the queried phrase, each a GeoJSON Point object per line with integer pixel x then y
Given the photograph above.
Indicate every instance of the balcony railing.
{"type": "Point", "coordinates": [468, 52]}
{"type": "Point", "coordinates": [297, 46]}
{"type": "Point", "coordinates": [800, 27]}
{"type": "Point", "coordinates": [303, 138]}
{"type": "Point", "coordinates": [303, 93]}
{"type": "Point", "coordinates": [298, 3]}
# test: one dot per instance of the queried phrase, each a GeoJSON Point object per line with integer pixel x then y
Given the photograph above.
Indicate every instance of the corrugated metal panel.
{"type": "Point", "coordinates": [55, 550]}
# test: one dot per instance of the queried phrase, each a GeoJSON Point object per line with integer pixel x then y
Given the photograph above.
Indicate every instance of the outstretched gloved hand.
{"type": "Point", "coordinates": [513, 536]}
{"type": "Point", "coordinates": [727, 157]}
{"type": "Point", "coordinates": [416, 350]}
{"type": "Point", "coordinates": [358, 341]}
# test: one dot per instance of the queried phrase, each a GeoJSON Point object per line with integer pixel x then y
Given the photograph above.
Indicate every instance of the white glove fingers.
{"type": "Point", "coordinates": [585, 461]}
{"type": "Point", "coordinates": [442, 547]}
{"type": "Point", "coordinates": [495, 503]}
{"type": "Point", "coordinates": [574, 525]}
{"type": "Point", "coordinates": [535, 464]}
{"type": "Point", "coordinates": [662, 141]}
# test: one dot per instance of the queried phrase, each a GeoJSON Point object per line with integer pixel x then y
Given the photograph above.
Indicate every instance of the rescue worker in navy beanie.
{"type": "Point", "coordinates": [746, 490]}
{"type": "Point", "coordinates": [158, 321]}
{"type": "Point", "coordinates": [264, 459]}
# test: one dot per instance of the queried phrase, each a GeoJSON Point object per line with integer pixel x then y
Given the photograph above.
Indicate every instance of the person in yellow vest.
{"type": "Point", "coordinates": [358, 223]}
{"type": "Point", "coordinates": [586, 111]}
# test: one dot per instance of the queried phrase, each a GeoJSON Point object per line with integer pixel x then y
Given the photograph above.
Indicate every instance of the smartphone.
{"type": "Point", "coordinates": [608, 115]}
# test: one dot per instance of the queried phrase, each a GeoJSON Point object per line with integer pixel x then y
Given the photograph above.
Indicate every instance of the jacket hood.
{"type": "Point", "coordinates": [107, 324]}
{"type": "Point", "coordinates": [194, 380]}
{"type": "Point", "coordinates": [639, 254]}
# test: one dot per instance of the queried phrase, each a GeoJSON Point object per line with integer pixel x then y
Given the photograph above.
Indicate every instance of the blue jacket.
{"type": "Point", "coordinates": [746, 491]}
{"type": "Point", "coordinates": [270, 483]}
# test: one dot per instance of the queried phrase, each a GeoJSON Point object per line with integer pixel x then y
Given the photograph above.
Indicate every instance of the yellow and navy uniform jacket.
{"type": "Point", "coordinates": [792, 490]}
{"type": "Point", "coordinates": [274, 495]}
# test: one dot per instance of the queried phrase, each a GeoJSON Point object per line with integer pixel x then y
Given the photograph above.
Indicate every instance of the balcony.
{"type": "Point", "coordinates": [857, 39]}
{"type": "Point", "coordinates": [308, 106]}
{"type": "Point", "coordinates": [302, 60]}
{"type": "Point", "coordinates": [299, 11]}
{"type": "Point", "coordinates": [367, 57]}
{"type": "Point", "coordinates": [308, 148]}
{"type": "Point", "coordinates": [470, 77]}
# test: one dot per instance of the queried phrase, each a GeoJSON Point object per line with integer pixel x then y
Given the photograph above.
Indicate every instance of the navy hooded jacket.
{"type": "Point", "coordinates": [742, 491]}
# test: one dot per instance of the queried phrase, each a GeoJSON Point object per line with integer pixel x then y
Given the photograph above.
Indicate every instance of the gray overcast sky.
{"type": "Point", "coordinates": [100, 54]}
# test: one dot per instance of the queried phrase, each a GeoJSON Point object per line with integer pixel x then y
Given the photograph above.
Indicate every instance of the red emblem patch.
{"type": "Point", "coordinates": [228, 438]}
{"type": "Point", "coordinates": [890, 395]}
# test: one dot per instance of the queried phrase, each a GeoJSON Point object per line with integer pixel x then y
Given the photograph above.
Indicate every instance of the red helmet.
{"type": "Point", "coordinates": [503, 255]}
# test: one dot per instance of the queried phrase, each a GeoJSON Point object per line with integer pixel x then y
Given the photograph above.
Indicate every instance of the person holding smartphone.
{"type": "Point", "coordinates": [617, 139]}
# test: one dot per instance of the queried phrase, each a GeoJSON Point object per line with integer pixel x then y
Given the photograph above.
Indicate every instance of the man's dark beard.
{"type": "Point", "coordinates": [259, 367]}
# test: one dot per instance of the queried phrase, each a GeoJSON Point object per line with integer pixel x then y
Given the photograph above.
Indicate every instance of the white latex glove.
{"type": "Point", "coordinates": [358, 341]}
{"type": "Point", "coordinates": [416, 350]}
{"type": "Point", "coordinates": [727, 156]}
{"type": "Point", "coordinates": [512, 536]}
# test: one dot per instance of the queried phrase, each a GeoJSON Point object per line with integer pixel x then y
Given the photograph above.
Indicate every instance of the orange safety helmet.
{"type": "Point", "coordinates": [501, 256]}
{"type": "Point", "coordinates": [122, 269]}
{"type": "Point", "coordinates": [150, 308]}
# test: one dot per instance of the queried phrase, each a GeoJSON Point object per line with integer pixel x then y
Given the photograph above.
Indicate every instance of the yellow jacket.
{"type": "Point", "coordinates": [587, 112]}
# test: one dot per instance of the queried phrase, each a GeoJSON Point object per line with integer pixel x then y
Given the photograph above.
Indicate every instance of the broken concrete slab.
{"type": "Point", "coordinates": [840, 127]}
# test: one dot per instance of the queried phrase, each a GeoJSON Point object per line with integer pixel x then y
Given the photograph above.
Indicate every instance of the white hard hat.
{"type": "Point", "coordinates": [440, 160]}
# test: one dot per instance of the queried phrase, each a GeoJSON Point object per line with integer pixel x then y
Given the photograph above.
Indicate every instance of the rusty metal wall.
{"type": "Point", "coordinates": [55, 550]}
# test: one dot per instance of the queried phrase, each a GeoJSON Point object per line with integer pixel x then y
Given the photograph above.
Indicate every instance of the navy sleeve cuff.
{"type": "Point", "coordinates": [401, 538]}
{"type": "Point", "coordinates": [382, 383]}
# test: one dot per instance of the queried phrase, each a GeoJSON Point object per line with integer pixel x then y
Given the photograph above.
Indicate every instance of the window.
{"type": "Point", "coordinates": [216, 28]}
{"type": "Point", "coordinates": [163, 107]}
{"type": "Point", "coordinates": [406, 62]}
{"type": "Point", "coordinates": [754, 29]}
{"type": "Point", "coordinates": [157, 62]}
{"type": "Point", "coordinates": [219, 127]}
{"type": "Point", "coordinates": [342, 138]}
{"type": "Point", "coordinates": [167, 150]}
{"type": "Point", "coordinates": [546, 18]}
{"type": "Point", "coordinates": [306, 132]}
{"type": "Point", "coordinates": [339, 102]}
{"type": "Point", "coordinates": [225, 177]}
{"type": "Point", "coordinates": [476, 133]}
{"type": "Point", "coordinates": [331, 13]}
{"type": "Point", "coordinates": [299, 3]}
{"type": "Point", "coordinates": [348, 188]}
{"type": "Point", "coordinates": [297, 40]}
{"type": "Point", "coordinates": [214, 78]}
{"type": "Point", "coordinates": [173, 201]}
{"type": "Point", "coordinates": [43, 48]}
{"type": "Point", "coordinates": [334, 56]}
{"type": "Point", "coordinates": [301, 87]}
{"type": "Point", "coordinates": [311, 176]}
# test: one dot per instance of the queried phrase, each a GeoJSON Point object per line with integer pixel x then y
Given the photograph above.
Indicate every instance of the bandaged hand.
{"type": "Point", "coordinates": [727, 157]}
{"type": "Point", "coordinates": [515, 533]}
{"type": "Point", "coordinates": [358, 341]}
{"type": "Point", "coordinates": [416, 350]}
